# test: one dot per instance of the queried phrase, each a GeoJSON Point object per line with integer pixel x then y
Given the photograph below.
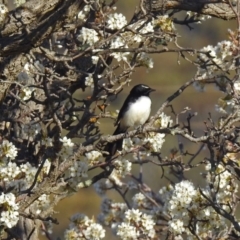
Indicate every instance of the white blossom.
{"type": "Point", "coordinates": [81, 227]}
{"type": "Point", "coordinates": [95, 59]}
{"type": "Point", "coordinates": [9, 172]}
{"type": "Point", "coordinates": [148, 28]}
{"type": "Point", "coordinates": [93, 157]}
{"type": "Point", "coordinates": [136, 224]}
{"type": "Point", "coordinates": [83, 13]}
{"type": "Point", "coordinates": [42, 203]}
{"type": "Point", "coordinates": [46, 167]}
{"type": "Point", "coordinates": [7, 149]}
{"type": "Point", "coordinates": [116, 21]}
{"type": "Point", "coordinates": [67, 142]}
{"type": "Point", "coordinates": [89, 81]}
{"type": "Point", "coordinates": [177, 226]}
{"type": "Point", "coordinates": [122, 167]}
{"type": "Point", "coordinates": [3, 9]}
{"type": "Point", "coordinates": [127, 144]}
{"type": "Point", "coordinates": [140, 201]}
{"type": "Point", "coordinates": [165, 121]}
{"type": "Point", "coordinates": [88, 36]}
{"type": "Point", "coordinates": [9, 210]}
{"type": "Point", "coordinates": [112, 213]}
{"type": "Point", "coordinates": [154, 141]}
{"type": "Point", "coordinates": [183, 202]}
{"type": "Point", "coordinates": [236, 87]}
{"type": "Point", "coordinates": [47, 141]}
{"type": "Point", "coordinates": [114, 178]}
{"type": "Point", "coordinates": [165, 23]}
{"type": "Point", "coordinates": [118, 42]}
{"type": "Point", "coordinates": [127, 231]}
{"type": "Point", "coordinates": [67, 148]}
{"type": "Point", "coordinates": [78, 170]}
{"type": "Point", "coordinates": [31, 130]}
{"type": "Point", "coordinates": [217, 57]}
{"type": "Point", "coordinates": [26, 93]}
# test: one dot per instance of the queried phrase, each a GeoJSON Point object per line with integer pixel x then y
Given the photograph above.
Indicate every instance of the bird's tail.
{"type": "Point", "coordinates": [113, 147]}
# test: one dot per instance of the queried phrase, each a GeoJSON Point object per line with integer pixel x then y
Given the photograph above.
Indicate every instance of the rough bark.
{"type": "Point", "coordinates": [25, 28]}
{"type": "Point", "coordinates": [218, 9]}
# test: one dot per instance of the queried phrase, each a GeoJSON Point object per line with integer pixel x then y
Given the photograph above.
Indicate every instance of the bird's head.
{"type": "Point", "coordinates": [141, 90]}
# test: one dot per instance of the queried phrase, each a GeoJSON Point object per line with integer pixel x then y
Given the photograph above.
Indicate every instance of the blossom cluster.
{"type": "Point", "coordinates": [152, 141]}
{"type": "Point", "coordinates": [188, 206]}
{"type": "Point", "coordinates": [93, 157]}
{"type": "Point", "coordinates": [89, 81]}
{"type": "Point", "coordinates": [136, 224]}
{"type": "Point", "coordinates": [188, 210]}
{"type": "Point", "coordinates": [122, 168]}
{"type": "Point", "coordinates": [127, 223]}
{"type": "Point", "coordinates": [41, 204]}
{"type": "Point", "coordinates": [111, 213]}
{"type": "Point", "coordinates": [83, 13]}
{"type": "Point", "coordinates": [7, 151]}
{"type": "Point", "coordinates": [88, 36]}
{"type": "Point", "coordinates": [9, 210]}
{"type": "Point", "coordinates": [3, 13]}
{"type": "Point", "coordinates": [141, 202]}
{"type": "Point", "coordinates": [116, 21]}
{"type": "Point", "coordinates": [229, 104]}
{"type": "Point", "coordinates": [213, 62]}
{"type": "Point", "coordinates": [3, 9]}
{"type": "Point", "coordinates": [21, 177]}
{"type": "Point", "coordinates": [165, 23]}
{"type": "Point", "coordinates": [81, 227]}
{"type": "Point", "coordinates": [214, 58]}
{"type": "Point", "coordinates": [26, 93]}
{"type": "Point", "coordinates": [67, 148]}
{"type": "Point", "coordinates": [138, 32]}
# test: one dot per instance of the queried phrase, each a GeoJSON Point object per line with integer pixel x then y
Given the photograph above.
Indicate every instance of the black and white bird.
{"type": "Point", "coordinates": [134, 112]}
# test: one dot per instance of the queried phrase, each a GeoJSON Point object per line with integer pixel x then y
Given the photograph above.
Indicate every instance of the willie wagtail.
{"type": "Point", "coordinates": [134, 112]}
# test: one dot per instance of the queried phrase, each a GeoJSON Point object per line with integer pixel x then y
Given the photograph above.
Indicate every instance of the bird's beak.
{"type": "Point", "coordinates": [152, 90]}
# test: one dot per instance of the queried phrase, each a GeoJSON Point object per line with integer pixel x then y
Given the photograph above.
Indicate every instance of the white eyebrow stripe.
{"type": "Point", "coordinates": [145, 86]}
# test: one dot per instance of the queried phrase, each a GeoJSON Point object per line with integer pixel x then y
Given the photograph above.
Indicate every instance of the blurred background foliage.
{"type": "Point", "coordinates": [169, 73]}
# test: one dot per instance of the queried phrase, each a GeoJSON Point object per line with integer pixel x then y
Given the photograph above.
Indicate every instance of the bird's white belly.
{"type": "Point", "coordinates": [137, 113]}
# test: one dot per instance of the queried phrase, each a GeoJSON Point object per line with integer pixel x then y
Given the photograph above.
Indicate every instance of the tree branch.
{"type": "Point", "coordinates": [218, 9]}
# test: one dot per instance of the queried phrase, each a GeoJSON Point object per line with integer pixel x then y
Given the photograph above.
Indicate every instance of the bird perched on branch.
{"type": "Point", "coordinates": [134, 112]}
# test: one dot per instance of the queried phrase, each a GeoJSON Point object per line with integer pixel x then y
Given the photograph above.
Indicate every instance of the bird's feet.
{"type": "Point", "coordinates": [126, 135]}
{"type": "Point", "coordinates": [140, 128]}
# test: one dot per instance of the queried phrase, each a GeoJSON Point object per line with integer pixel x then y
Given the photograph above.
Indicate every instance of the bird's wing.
{"type": "Point", "coordinates": [124, 108]}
